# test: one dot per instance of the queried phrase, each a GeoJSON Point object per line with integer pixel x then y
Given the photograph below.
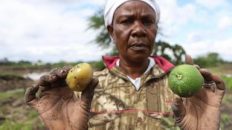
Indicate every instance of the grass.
{"type": "Point", "coordinates": [225, 72]}
{"type": "Point", "coordinates": [226, 113]}
{"type": "Point", "coordinates": [228, 82]}
{"type": "Point", "coordinates": [9, 76]}
{"type": "Point", "coordinates": [18, 116]}
{"type": "Point", "coordinates": [29, 124]}
{"type": "Point", "coordinates": [11, 125]}
{"type": "Point", "coordinates": [15, 93]}
{"type": "Point", "coordinates": [225, 120]}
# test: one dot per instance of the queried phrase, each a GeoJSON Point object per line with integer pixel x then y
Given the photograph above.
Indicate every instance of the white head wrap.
{"type": "Point", "coordinates": [112, 5]}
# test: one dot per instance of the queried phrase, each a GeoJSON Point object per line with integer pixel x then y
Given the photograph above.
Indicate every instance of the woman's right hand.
{"type": "Point", "coordinates": [57, 105]}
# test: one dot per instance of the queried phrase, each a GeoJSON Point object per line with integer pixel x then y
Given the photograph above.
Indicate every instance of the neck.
{"type": "Point", "coordinates": [133, 69]}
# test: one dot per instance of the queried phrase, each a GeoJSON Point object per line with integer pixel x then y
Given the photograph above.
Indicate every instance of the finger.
{"type": "Point", "coordinates": [40, 92]}
{"type": "Point", "coordinates": [30, 95]}
{"type": "Point", "coordinates": [62, 72]}
{"type": "Point", "coordinates": [197, 66]}
{"type": "Point", "coordinates": [55, 77]}
{"type": "Point", "coordinates": [219, 82]}
{"type": "Point", "coordinates": [46, 80]}
{"type": "Point", "coordinates": [88, 93]}
{"type": "Point", "coordinates": [188, 59]}
{"type": "Point", "coordinates": [206, 74]}
{"type": "Point", "coordinates": [209, 78]}
{"type": "Point", "coordinates": [178, 109]}
{"type": "Point", "coordinates": [208, 83]}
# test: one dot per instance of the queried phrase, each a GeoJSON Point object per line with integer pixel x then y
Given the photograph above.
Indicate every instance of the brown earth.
{"type": "Point", "coordinates": [9, 84]}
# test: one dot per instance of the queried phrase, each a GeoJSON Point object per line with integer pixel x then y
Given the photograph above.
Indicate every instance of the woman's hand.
{"type": "Point", "coordinates": [201, 111]}
{"type": "Point", "coordinates": [57, 105]}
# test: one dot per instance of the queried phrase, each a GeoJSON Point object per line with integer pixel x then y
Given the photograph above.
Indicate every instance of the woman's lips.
{"type": "Point", "coordinates": [139, 47]}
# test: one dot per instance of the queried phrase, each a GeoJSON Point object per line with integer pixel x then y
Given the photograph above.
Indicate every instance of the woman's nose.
{"type": "Point", "coordinates": [138, 30]}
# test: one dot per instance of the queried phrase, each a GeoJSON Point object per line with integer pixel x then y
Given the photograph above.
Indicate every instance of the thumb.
{"type": "Point", "coordinates": [87, 94]}
{"type": "Point", "coordinates": [188, 59]}
{"type": "Point", "coordinates": [30, 96]}
{"type": "Point", "coordinates": [178, 109]}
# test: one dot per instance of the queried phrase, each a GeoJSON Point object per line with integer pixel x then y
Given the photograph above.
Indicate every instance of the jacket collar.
{"type": "Point", "coordinates": [164, 64]}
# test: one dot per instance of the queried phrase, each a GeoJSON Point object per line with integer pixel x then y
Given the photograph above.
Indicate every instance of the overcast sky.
{"type": "Point", "coordinates": [55, 30]}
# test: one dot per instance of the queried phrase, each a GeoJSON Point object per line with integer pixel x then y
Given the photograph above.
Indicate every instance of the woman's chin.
{"type": "Point", "coordinates": [139, 57]}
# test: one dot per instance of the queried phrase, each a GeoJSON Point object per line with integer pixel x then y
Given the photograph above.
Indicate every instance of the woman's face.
{"type": "Point", "coordinates": [134, 30]}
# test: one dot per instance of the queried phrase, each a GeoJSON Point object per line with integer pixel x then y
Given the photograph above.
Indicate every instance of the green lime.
{"type": "Point", "coordinates": [185, 80]}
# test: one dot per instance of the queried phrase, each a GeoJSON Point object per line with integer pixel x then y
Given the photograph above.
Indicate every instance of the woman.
{"type": "Point", "coordinates": [132, 92]}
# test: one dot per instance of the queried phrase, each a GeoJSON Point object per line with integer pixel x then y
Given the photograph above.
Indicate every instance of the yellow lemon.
{"type": "Point", "coordinates": [79, 76]}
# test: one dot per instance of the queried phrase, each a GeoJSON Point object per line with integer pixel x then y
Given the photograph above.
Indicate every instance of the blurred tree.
{"type": "Point", "coordinates": [173, 53]}
{"type": "Point", "coordinates": [209, 60]}
{"type": "Point", "coordinates": [24, 62]}
{"type": "Point", "coordinates": [4, 61]}
{"type": "Point", "coordinates": [96, 22]}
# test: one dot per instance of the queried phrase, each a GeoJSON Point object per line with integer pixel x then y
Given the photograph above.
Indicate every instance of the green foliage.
{"type": "Point", "coordinates": [210, 60]}
{"type": "Point", "coordinates": [96, 22]}
{"type": "Point", "coordinates": [11, 125]}
{"type": "Point", "coordinates": [225, 120]}
{"type": "Point", "coordinates": [8, 76]}
{"type": "Point", "coordinates": [228, 81]}
{"type": "Point", "coordinates": [16, 93]}
{"type": "Point", "coordinates": [21, 63]}
{"type": "Point", "coordinates": [17, 117]}
{"type": "Point", "coordinates": [61, 64]}
{"type": "Point", "coordinates": [98, 65]}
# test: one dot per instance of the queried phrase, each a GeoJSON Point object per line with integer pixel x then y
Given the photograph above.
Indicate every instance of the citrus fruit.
{"type": "Point", "coordinates": [79, 76]}
{"type": "Point", "coordinates": [185, 80]}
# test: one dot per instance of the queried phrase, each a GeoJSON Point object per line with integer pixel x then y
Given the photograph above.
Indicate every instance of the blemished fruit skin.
{"type": "Point", "coordinates": [79, 76]}
{"type": "Point", "coordinates": [185, 80]}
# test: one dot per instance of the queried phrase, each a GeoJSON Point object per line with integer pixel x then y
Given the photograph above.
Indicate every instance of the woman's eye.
{"type": "Point", "coordinates": [147, 22]}
{"type": "Point", "coordinates": [127, 21]}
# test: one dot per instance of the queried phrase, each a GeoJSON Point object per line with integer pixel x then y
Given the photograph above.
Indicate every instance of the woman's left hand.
{"type": "Point", "coordinates": [202, 110]}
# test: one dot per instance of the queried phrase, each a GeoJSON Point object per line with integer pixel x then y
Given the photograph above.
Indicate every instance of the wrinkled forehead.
{"type": "Point", "coordinates": [134, 7]}
{"type": "Point", "coordinates": [112, 5]}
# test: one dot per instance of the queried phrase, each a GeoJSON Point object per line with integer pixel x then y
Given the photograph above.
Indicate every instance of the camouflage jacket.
{"type": "Point", "coordinates": [117, 105]}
